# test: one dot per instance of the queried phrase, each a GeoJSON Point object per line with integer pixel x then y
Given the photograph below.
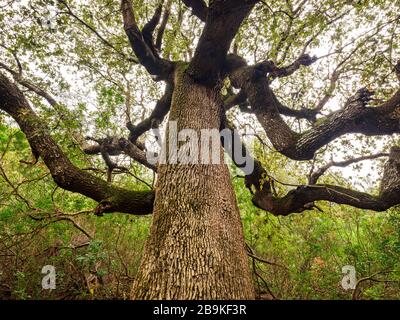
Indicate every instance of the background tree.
{"type": "Point", "coordinates": [207, 61]}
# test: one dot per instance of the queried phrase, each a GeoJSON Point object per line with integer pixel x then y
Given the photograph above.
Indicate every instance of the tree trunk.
{"type": "Point", "coordinates": [196, 247]}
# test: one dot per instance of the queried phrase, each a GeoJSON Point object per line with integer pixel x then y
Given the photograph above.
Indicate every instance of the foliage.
{"type": "Point", "coordinates": [99, 87]}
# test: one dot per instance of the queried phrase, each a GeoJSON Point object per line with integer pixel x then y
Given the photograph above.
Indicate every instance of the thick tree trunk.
{"type": "Point", "coordinates": [196, 247]}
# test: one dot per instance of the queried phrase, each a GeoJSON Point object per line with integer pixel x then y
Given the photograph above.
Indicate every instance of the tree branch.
{"type": "Point", "coordinates": [149, 27]}
{"type": "Point", "coordinates": [96, 33]}
{"type": "Point", "coordinates": [357, 289]}
{"type": "Point", "coordinates": [302, 197]}
{"type": "Point", "coordinates": [156, 117]}
{"type": "Point", "coordinates": [314, 176]}
{"type": "Point", "coordinates": [277, 72]}
{"type": "Point", "coordinates": [18, 77]}
{"type": "Point", "coordinates": [112, 146]}
{"type": "Point", "coordinates": [199, 8]}
{"type": "Point", "coordinates": [64, 173]}
{"type": "Point", "coordinates": [354, 117]}
{"type": "Point", "coordinates": [235, 63]}
{"type": "Point", "coordinates": [261, 185]}
{"type": "Point", "coordinates": [154, 65]}
{"type": "Point", "coordinates": [163, 25]}
{"type": "Point", "coordinates": [223, 21]}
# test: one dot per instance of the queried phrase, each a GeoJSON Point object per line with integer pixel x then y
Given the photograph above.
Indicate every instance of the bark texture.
{"type": "Point", "coordinates": [196, 248]}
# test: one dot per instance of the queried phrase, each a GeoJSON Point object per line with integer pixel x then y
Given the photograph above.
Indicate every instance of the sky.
{"type": "Point", "coordinates": [77, 81]}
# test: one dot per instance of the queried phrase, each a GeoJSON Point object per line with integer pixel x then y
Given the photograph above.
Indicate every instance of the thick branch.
{"type": "Point", "coordinates": [157, 115]}
{"type": "Point", "coordinates": [261, 185]}
{"type": "Point", "coordinates": [257, 179]}
{"type": "Point", "coordinates": [18, 77]}
{"type": "Point", "coordinates": [223, 21]}
{"type": "Point", "coordinates": [163, 25]}
{"type": "Point", "coordinates": [304, 113]}
{"type": "Point", "coordinates": [240, 99]}
{"type": "Point", "coordinates": [64, 173]}
{"type": "Point", "coordinates": [354, 117]}
{"type": "Point", "coordinates": [235, 63]}
{"type": "Point", "coordinates": [149, 28]}
{"type": "Point", "coordinates": [199, 8]}
{"type": "Point", "coordinates": [276, 72]}
{"type": "Point", "coordinates": [303, 197]}
{"type": "Point", "coordinates": [235, 99]}
{"type": "Point", "coordinates": [154, 65]}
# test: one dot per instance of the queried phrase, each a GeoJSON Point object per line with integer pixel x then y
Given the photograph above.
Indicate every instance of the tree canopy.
{"type": "Point", "coordinates": [312, 86]}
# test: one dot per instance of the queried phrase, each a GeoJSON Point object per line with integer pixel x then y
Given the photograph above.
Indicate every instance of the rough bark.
{"type": "Point", "coordinates": [196, 248]}
{"type": "Point", "coordinates": [223, 21]}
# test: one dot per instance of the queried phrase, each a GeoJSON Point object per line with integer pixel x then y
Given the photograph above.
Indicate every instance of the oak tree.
{"type": "Point", "coordinates": [210, 59]}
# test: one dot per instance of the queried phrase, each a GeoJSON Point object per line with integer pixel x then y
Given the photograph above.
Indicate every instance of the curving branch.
{"type": "Point", "coordinates": [329, 92]}
{"type": "Point", "coordinates": [257, 180]}
{"type": "Point", "coordinates": [30, 86]}
{"type": "Point", "coordinates": [149, 27]}
{"type": "Point", "coordinates": [95, 32]}
{"type": "Point", "coordinates": [261, 185]}
{"type": "Point", "coordinates": [155, 65]}
{"type": "Point", "coordinates": [357, 290]}
{"type": "Point", "coordinates": [314, 176]}
{"type": "Point", "coordinates": [156, 117]}
{"type": "Point", "coordinates": [18, 77]}
{"type": "Point", "coordinates": [113, 146]}
{"type": "Point", "coordinates": [303, 197]}
{"type": "Point", "coordinates": [303, 113]}
{"type": "Point", "coordinates": [241, 100]}
{"type": "Point", "coordinates": [64, 173]}
{"type": "Point", "coordinates": [235, 63]}
{"type": "Point", "coordinates": [278, 72]}
{"type": "Point", "coordinates": [354, 117]}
